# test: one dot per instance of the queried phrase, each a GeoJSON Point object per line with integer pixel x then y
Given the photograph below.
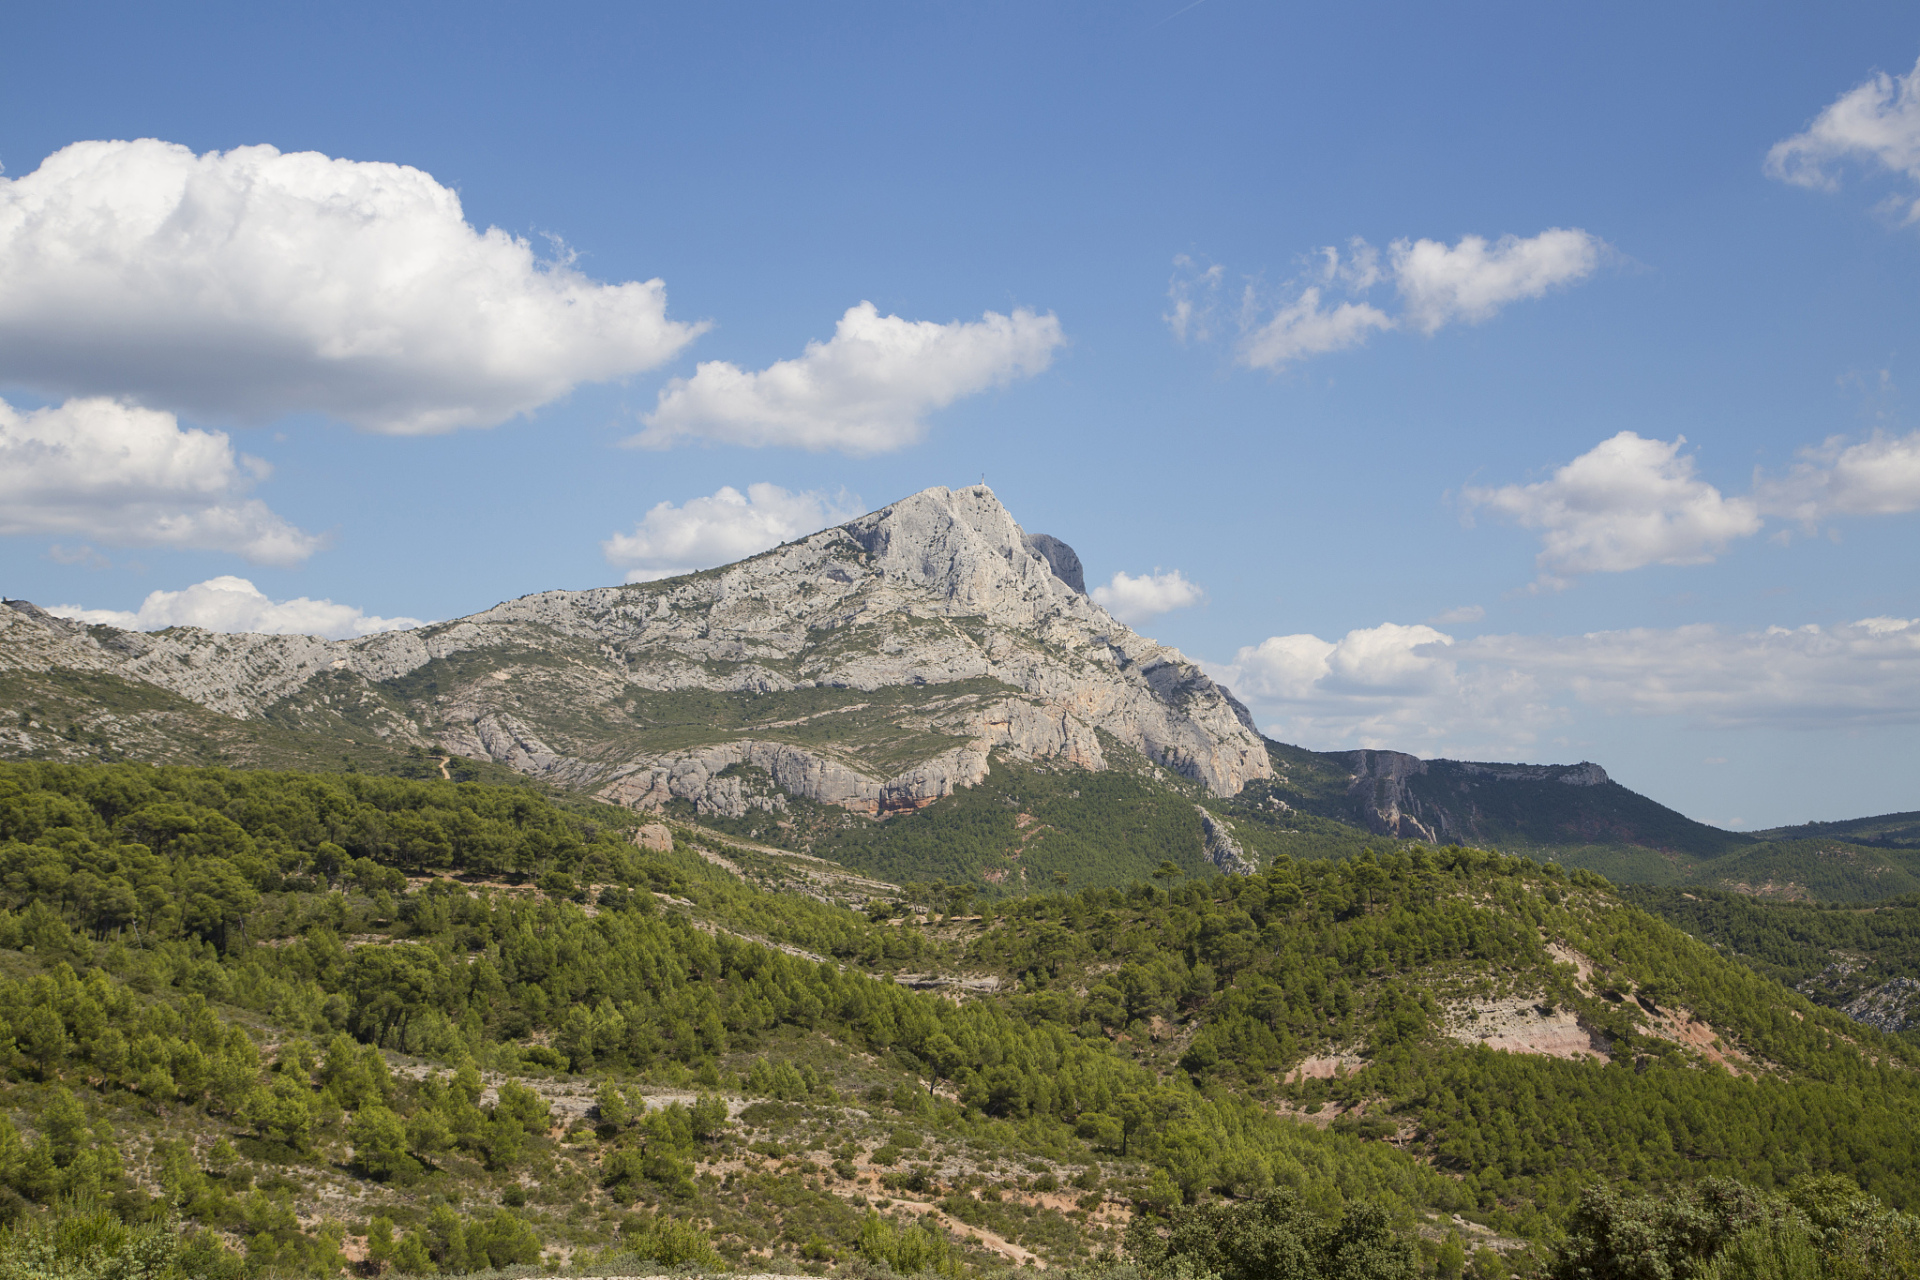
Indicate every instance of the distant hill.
{"type": "Point", "coordinates": [1507, 806]}
{"type": "Point", "coordinates": [1861, 960]}
{"type": "Point", "coordinates": [1888, 831]}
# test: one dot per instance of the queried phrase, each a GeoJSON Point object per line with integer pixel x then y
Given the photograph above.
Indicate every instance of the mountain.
{"type": "Point", "coordinates": [484, 1013]}
{"type": "Point", "coordinates": [875, 666]}
{"type": "Point", "coordinates": [920, 693]}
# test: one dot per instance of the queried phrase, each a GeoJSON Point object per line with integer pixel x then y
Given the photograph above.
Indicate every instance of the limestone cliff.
{"type": "Point", "coordinates": [875, 665]}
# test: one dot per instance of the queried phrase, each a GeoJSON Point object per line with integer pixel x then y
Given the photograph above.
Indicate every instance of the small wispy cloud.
{"type": "Point", "coordinates": [1877, 123]}
{"type": "Point", "coordinates": [1324, 308]}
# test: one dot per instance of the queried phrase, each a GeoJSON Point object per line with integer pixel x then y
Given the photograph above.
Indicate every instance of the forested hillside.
{"type": "Point", "coordinates": [1027, 828]}
{"type": "Point", "coordinates": [1863, 960]}
{"type": "Point", "coordinates": [343, 1020]}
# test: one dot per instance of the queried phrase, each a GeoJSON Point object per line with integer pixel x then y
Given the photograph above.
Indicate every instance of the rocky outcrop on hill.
{"type": "Point", "coordinates": [876, 666]}
{"type": "Point", "coordinates": [235, 675]}
{"type": "Point", "coordinates": [1222, 850]}
{"type": "Point", "coordinates": [1893, 1006]}
{"type": "Point", "coordinates": [1384, 801]}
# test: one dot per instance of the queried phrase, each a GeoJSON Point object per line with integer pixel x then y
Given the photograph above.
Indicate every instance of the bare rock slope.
{"type": "Point", "coordinates": [875, 665]}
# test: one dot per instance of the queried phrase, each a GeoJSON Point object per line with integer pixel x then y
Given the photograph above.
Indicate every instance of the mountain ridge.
{"type": "Point", "coordinates": [876, 667]}
{"type": "Point", "coordinates": [942, 593]}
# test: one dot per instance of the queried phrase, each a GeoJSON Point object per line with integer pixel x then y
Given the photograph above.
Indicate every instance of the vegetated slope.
{"type": "Point", "coordinates": [1028, 828]}
{"type": "Point", "coordinates": [1521, 807]}
{"type": "Point", "coordinates": [1515, 1024]}
{"type": "Point", "coordinates": [264, 999]}
{"type": "Point", "coordinates": [1577, 816]}
{"type": "Point", "coordinates": [296, 1006]}
{"type": "Point", "coordinates": [1022, 829]}
{"type": "Point", "coordinates": [1819, 870]}
{"type": "Point", "coordinates": [1026, 825]}
{"type": "Point", "coordinates": [80, 715]}
{"type": "Point", "coordinates": [1862, 960]}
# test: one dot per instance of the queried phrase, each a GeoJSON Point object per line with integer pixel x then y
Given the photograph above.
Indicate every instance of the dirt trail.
{"type": "Point", "coordinates": [708, 926]}
{"type": "Point", "coordinates": [831, 871]}
{"type": "Point", "coordinates": [569, 1100]}
{"type": "Point", "coordinates": [989, 1240]}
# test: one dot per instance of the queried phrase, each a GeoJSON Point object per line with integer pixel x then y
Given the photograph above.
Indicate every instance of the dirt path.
{"type": "Point", "coordinates": [443, 761]}
{"type": "Point", "coordinates": [830, 871]}
{"type": "Point", "coordinates": [988, 1240]}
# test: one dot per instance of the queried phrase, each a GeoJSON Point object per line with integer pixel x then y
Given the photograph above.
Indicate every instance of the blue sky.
{"type": "Point", "coordinates": [1024, 194]}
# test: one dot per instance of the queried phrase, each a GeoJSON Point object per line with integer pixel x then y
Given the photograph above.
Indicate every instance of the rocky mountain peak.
{"type": "Point", "coordinates": [966, 548]}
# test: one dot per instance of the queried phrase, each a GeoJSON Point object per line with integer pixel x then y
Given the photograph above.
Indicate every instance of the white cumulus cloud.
{"type": "Point", "coordinates": [1473, 280]}
{"type": "Point", "coordinates": [123, 475]}
{"type": "Point", "coordinates": [1134, 600]}
{"type": "Point", "coordinates": [248, 284]}
{"type": "Point", "coordinates": [236, 605]}
{"type": "Point", "coordinates": [1626, 503]}
{"type": "Point", "coordinates": [1416, 689]}
{"type": "Point", "coordinates": [703, 532]}
{"type": "Point", "coordinates": [1392, 685]}
{"type": "Point", "coordinates": [1874, 477]}
{"type": "Point", "coordinates": [1877, 121]}
{"type": "Point", "coordinates": [1630, 502]}
{"type": "Point", "coordinates": [1369, 662]}
{"type": "Point", "coordinates": [866, 390]}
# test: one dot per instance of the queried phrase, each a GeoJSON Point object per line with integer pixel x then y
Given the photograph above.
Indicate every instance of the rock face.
{"type": "Point", "coordinates": [1381, 792]}
{"type": "Point", "coordinates": [876, 665]}
{"type": "Point", "coordinates": [1438, 800]}
{"type": "Point", "coordinates": [1060, 558]}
